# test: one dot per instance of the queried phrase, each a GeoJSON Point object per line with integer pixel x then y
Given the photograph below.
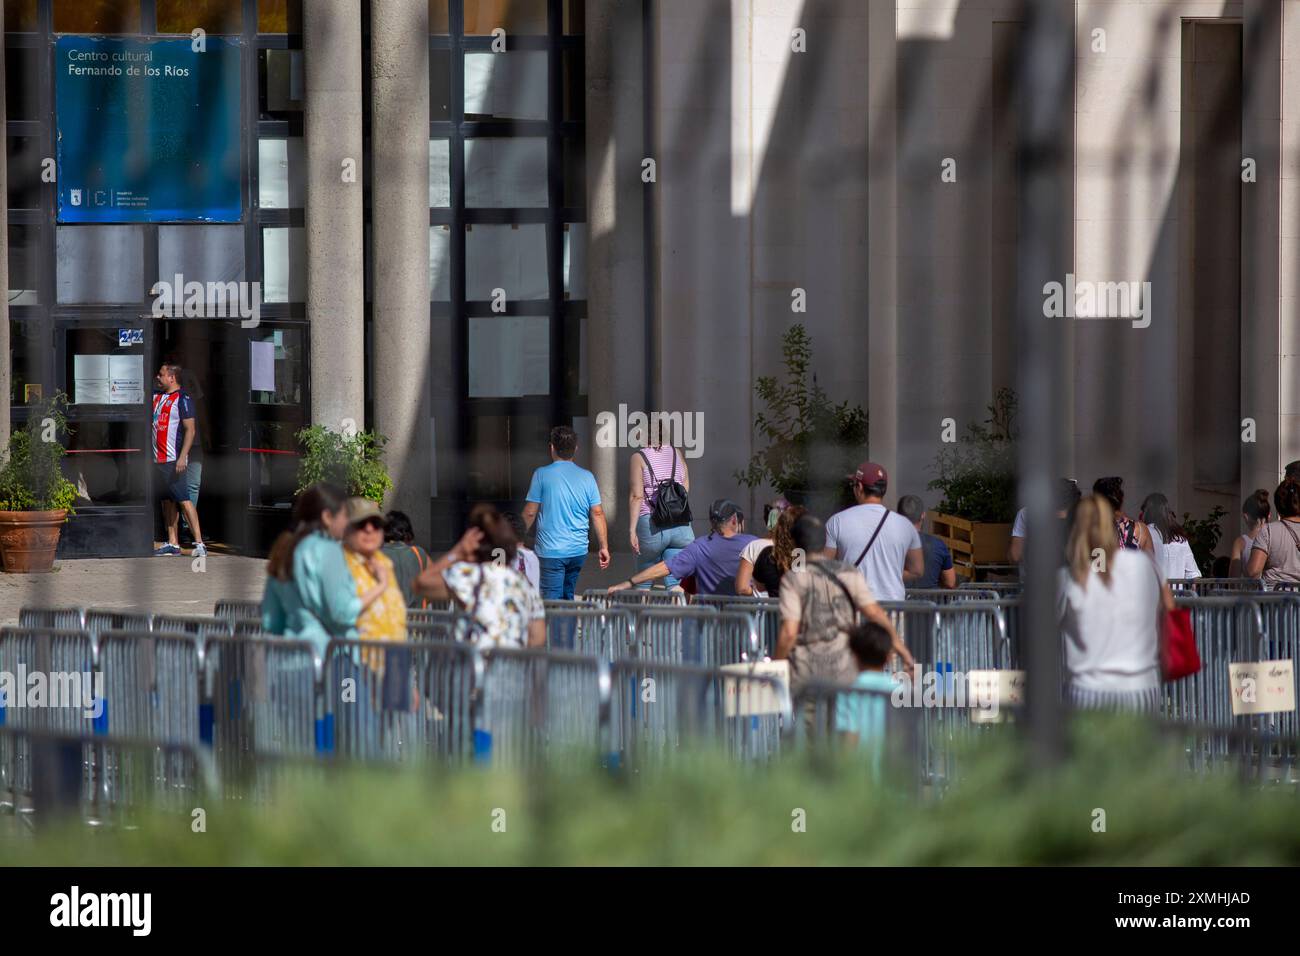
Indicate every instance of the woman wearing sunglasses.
{"type": "Point", "coordinates": [310, 594]}
{"type": "Point", "coordinates": [385, 618]}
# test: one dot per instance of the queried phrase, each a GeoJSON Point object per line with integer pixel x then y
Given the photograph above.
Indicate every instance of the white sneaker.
{"type": "Point", "coordinates": [199, 551]}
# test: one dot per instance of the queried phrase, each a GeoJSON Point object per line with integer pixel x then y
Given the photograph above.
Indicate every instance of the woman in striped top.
{"type": "Point", "coordinates": [650, 465]}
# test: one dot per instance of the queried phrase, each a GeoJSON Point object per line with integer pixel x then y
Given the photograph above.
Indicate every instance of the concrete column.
{"type": "Point", "coordinates": [618, 364]}
{"type": "Point", "coordinates": [334, 219]}
{"type": "Point", "coordinates": [882, 238]}
{"type": "Point", "coordinates": [399, 121]}
{"type": "Point", "coordinates": [1266, 215]}
{"type": "Point", "coordinates": [1288, 364]}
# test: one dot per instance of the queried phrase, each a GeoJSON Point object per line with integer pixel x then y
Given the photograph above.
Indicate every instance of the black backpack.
{"type": "Point", "coordinates": [671, 508]}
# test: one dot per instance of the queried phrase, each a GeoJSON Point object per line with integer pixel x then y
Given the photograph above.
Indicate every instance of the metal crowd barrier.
{"type": "Point", "coordinates": [765, 612]}
{"type": "Point", "coordinates": [635, 596]}
{"type": "Point", "coordinates": [602, 632]}
{"type": "Point", "coordinates": [952, 595]}
{"type": "Point", "coordinates": [151, 693]}
{"type": "Point", "coordinates": [58, 618]}
{"type": "Point", "coordinates": [1227, 629]}
{"type": "Point", "coordinates": [198, 626]}
{"type": "Point", "coordinates": [66, 659]}
{"type": "Point", "coordinates": [104, 779]}
{"type": "Point", "coordinates": [437, 625]}
{"type": "Point", "coordinates": [658, 709]}
{"type": "Point", "coordinates": [695, 635]}
{"type": "Point", "coordinates": [436, 608]}
{"type": "Point", "coordinates": [66, 705]}
{"type": "Point", "coordinates": [151, 688]}
{"type": "Point", "coordinates": [261, 699]}
{"type": "Point", "coordinates": [1209, 585]}
{"type": "Point", "coordinates": [102, 620]}
{"type": "Point", "coordinates": [404, 701]}
{"type": "Point", "coordinates": [1004, 588]}
{"type": "Point", "coordinates": [237, 610]}
{"type": "Point", "coordinates": [914, 621]}
{"type": "Point", "coordinates": [538, 707]}
{"type": "Point", "coordinates": [1254, 627]}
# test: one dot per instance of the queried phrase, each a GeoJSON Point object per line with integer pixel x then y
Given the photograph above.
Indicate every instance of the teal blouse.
{"type": "Point", "coordinates": [320, 602]}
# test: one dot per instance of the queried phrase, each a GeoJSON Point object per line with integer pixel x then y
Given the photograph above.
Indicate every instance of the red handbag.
{"type": "Point", "coordinates": [1179, 657]}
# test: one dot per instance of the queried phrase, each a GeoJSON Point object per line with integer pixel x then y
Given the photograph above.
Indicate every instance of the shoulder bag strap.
{"type": "Point", "coordinates": [1291, 531]}
{"type": "Point", "coordinates": [883, 519]}
{"type": "Point", "coordinates": [673, 477]}
{"type": "Point", "coordinates": [653, 481]}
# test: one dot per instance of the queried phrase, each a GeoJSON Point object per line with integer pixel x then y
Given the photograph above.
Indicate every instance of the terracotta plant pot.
{"type": "Point", "coordinates": [28, 539]}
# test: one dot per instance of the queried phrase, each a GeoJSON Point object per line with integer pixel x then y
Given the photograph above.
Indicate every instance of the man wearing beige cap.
{"type": "Point", "coordinates": [878, 542]}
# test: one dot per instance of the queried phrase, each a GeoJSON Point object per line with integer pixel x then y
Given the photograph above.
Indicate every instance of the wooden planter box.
{"type": "Point", "coordinates": [971, 542]}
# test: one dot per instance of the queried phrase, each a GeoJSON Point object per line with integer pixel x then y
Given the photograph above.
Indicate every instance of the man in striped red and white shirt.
{"type": "Point", "coordinates": [173, 435]}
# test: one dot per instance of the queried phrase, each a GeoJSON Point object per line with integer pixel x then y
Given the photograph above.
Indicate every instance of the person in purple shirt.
{"type": "Point", "coordinates": [713, 558]}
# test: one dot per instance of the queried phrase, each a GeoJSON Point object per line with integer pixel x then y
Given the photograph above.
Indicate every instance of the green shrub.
{"type": "Point", "coordinates": [811, 443]}
{"type": "Point", "coordinates": [977, 474]}
{"type": "Point", "coordinates": [32, 477]}
{"type": "Point", "coordinates": [353, 461]}
{"type": "Point", "coordinates": [1203, 535]}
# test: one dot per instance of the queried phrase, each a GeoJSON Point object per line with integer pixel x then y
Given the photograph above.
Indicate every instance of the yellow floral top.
{"type": "Point", "coordinates": [385, 620]}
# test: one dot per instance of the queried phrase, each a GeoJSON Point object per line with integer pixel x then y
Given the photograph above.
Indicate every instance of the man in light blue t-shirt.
{"type": "Point", "coordinates": [568, 501]}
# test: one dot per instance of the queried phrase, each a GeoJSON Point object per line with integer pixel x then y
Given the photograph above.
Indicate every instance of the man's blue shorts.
{"type": "Point", "coordinates": [169, 485]}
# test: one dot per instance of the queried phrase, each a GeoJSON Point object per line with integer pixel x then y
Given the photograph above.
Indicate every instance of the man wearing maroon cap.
{"type": "Point", "coordinates": [878, 542]}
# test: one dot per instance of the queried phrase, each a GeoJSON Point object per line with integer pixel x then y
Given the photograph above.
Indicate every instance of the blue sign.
{"type": "Point", "coordinates": [148, 129]}
{"type": "Point", "coordinates": [127, 337]}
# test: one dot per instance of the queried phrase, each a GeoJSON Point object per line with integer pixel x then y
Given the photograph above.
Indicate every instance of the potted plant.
{"type": "Point", "coordinates": [812, 443]}
{"type": "Point", "coordinates": [35, 497]}
{"type": "Point", "coordinates": [353, 460]}
{"type": "Point", "coordinates": [977, 476]}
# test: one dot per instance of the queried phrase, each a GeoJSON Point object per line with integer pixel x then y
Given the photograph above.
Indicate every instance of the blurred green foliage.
{"type": "Point", "coordinates": [977, 474]}
{"type": "Point", "coordinates": [353, 460]}
{"type": "Point", "coordinates": [705, 812]}
{"type": "Point", "coordinates": [1203, 535]}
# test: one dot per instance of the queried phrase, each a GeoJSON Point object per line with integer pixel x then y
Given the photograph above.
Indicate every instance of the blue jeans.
{"type": "Point", "coordinates": [559, 576]}
{"type": "Point", "coordinates": [193, 476]}
{"type": "Point", "coordinates": [659, 546]}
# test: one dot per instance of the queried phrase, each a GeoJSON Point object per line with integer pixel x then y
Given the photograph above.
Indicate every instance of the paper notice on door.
{"type": "Point", "coordinates": [90, 380]}
{"type": "Point", "coordinates": [1262, 687]}
{"type": "Point", "coordinates": [125, 379]}
{"type": "Point", "coordinates": [261, 366]}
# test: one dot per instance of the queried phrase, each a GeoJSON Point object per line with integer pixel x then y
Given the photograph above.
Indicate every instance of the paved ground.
{"type": "Point", "coordinates": [176, 585]}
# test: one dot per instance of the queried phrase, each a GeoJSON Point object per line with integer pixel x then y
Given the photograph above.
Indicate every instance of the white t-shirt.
{"type": "Point", "coordinates": [1111, 632]}
{"type": "Point", "coordinates": [526, 564]}
{"type": "Point", "coordinates": [848, 533]}
{"type": "Point", "coordinates": [1175, 558]}
{"type": "Point", "coordinates": [1018, 526]}
{"type": "Point", "coordinates": [750, 554]}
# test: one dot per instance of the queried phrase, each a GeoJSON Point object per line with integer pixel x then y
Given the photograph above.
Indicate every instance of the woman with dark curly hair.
{"type": "Point", "coordinates": [1132, 534]}
{"type": "Point", "coordinates": [762, 574]}
{"type": "Point", "coordinates": [1275, 556]}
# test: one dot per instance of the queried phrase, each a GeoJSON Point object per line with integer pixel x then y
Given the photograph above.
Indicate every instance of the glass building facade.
{"type": "Point", "coordinates": [506, 212]}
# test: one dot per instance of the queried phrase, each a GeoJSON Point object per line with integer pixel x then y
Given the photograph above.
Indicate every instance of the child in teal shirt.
{"type": "Point", "coordinates": [862, 712]}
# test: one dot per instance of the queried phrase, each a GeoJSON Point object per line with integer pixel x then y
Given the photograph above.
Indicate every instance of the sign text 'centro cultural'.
{"type": "Point", "coordinates": [148, 130]}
